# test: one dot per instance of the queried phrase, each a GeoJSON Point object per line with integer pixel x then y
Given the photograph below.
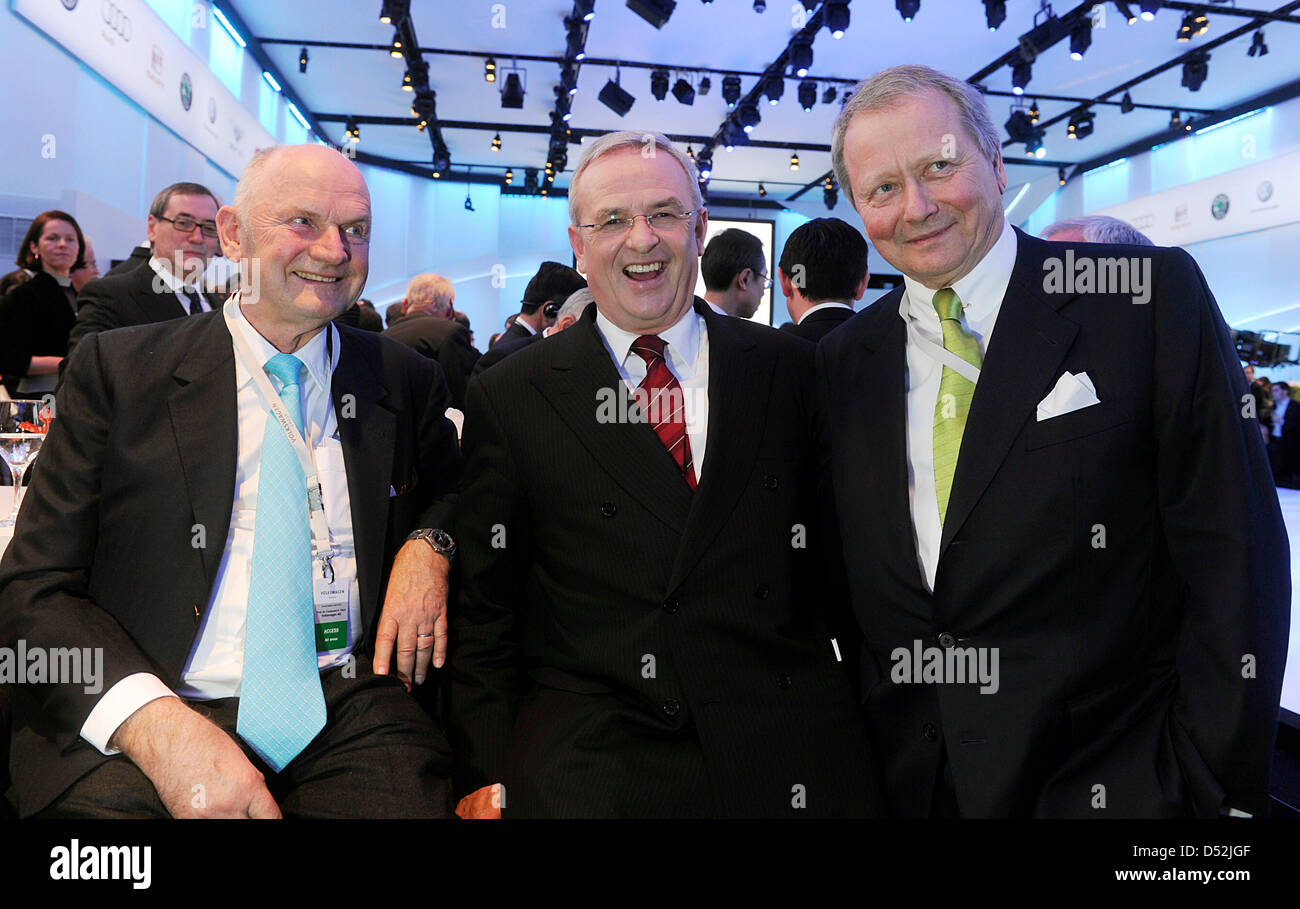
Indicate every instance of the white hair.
{"type": "Point", "coordinates": [432, 292]}
{"type": "Point", "coordinates": [576, 305]}
{"type": "Point", "coordinates": [625, 139]}
{"type": "Point", "coordinates": [1101, 229]}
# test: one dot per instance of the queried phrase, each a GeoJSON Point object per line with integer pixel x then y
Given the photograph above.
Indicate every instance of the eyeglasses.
{"type": "Point", "coordinates": [187, 225]}
{"type": "Point", "coordinates": [659, 222]}
{"type": "Point", "coordinates": [767, 282]}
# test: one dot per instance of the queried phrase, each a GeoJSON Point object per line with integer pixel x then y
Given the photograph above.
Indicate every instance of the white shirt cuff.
{"type": "Point", "coordinates": [117, 705]}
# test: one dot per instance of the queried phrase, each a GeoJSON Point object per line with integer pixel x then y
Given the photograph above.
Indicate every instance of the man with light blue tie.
{"type": "Point", "coordinates": [223, 508]}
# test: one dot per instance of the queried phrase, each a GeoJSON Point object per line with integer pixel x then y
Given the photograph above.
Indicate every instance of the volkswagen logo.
{"type": "Point", "coordinates": [187, 91]}
{"type": "Point", "coordinates": [1219, 207]}
{"type": "Point", "coordinates": [114, 18]}
{"type": "Point", "coordinates": [1264, 191]}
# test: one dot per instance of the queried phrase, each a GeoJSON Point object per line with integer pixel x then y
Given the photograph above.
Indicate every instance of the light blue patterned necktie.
{"type": "Point", "coordinates": [281, 708]}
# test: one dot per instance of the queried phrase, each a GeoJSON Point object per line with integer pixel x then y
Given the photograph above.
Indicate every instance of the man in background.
{"type": "Point", "coordinates": [735, 273]}
{"type": "Point", "coordinates": [427, 325]}
{"type": "Point", "coordinates": [823, 272]}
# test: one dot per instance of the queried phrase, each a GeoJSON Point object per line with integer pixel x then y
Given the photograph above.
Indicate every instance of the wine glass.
{"type": "Point", "coordinates": [23, 425]}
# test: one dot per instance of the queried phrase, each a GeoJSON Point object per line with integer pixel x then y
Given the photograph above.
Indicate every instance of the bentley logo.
{"type": "Point", "coordinates": [187, 91]}
{"type": "Point", "coordinates": [1219, 207]}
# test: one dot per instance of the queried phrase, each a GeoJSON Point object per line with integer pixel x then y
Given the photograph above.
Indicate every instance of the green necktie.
{"type": "Point", "coordinates": [955, 393]}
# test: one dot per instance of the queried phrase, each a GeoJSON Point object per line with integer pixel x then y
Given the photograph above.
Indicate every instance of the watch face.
{"type": "Point", "coordinates": [442, 539]}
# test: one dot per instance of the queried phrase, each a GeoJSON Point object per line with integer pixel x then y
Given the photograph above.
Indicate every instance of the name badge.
{"type": "Point", "coordinates": [330, 601]}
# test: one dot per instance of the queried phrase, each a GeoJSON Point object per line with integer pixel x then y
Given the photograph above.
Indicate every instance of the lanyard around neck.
{"type": "Point", "coordinates": [936, 352]}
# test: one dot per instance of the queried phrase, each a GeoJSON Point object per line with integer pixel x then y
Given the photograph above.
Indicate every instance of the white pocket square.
{"type": "Point", "coordinates": [1072, 392]}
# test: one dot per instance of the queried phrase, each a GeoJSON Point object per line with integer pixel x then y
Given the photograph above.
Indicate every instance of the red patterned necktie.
{"type": "Point", "coordinates": [665, 404]}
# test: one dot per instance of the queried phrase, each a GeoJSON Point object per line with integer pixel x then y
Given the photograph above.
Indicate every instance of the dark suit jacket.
{"type": "Point", "coordinates": [442, 340]}
{"type": "Point", "coordinates": [35, 319]}
{"type": "Point", "coordinates": [816, 326]}
{"type": "Point", "coordinates": [1123, 559]}
{"type": "Point", "coordinates": [503, 348]}
{"type": "Point", "coordinates": [140, 255]}
{"type": "Point", "coordinates": [513, 333]}
{"type": "Point", "coordinates": [1291, 440]}
{"type": "Point", "coordinates": [124, 299]}
{"type": "Point", "coordinates": [144, 448]}
{"type": "Point", "coordinates": [624, 646]}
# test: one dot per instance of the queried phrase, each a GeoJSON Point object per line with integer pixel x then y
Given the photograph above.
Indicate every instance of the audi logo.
{"type": "Point", "coordinates": [115, 19]}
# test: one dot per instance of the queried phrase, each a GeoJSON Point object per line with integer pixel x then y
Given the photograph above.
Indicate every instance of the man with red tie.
{"type": "Point", "coordinates": [640, 628]}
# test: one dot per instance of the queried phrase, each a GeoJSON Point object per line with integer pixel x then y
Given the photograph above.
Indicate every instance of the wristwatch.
{"type": "Point", "coordinates": [441, 541]}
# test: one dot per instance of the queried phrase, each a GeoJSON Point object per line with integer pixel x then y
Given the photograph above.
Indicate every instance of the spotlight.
{"type": "Point", "coordinates": [1149, 8]}
{"type": "Point", "coordinates": [659, 84]}
{"type": "Point", "coordinates": [656, 12]}
{"type": "Point", "coordinates": [585, 10]}
{"type": "Point", "coordinates": [760, 6]}
{"type": "Point", "coordinates": [829, 195]}
{"type": "Point", "coordinates": [1034, 147]}
{"type": "Point", "coordinates": [1080, 126]}
{"type": "Point", "coordinates": [733, 135]}
{"type": "Point", "coordinates": [762, 190]}
{"type": "Point", "coordinates": [512, 95]}
{"type": "Point", "coordinates": [1257, 46]}
{"type": "Point", "coordinates": [774, 89]}
{"type": "Point", "coordinates": [489, 70]}
{"type": "Point", "coordinates": [352, 132]}
{"type": "Point", "coordinates": [396, 49]}
{"type": "Point", "coordinates": [705, 84]}
{"type": "Point", "coordinates": [705, 164]}
{"type": "Point", "coordinates": [828, 96]}
{"type": "Point", "coordinates": [469, 204]}
{"type": "Point", "coordinates": [510, 176]}
{"type": "Point", "coordinates": [576, 40]}
{"type": "Point", "coordinates": [995, 13]}
{"type": "Point", "coordinates": [1187, 125]}
{"type": "Point", "coordinates": [530, 180]}
{"type": "Point", "coordinates": [407, 86]}
{"type": "Point", "coordinates": [1080, 38]}
{"type": "Point", "coordinates": [794, 160]}
{"type": "Point", "coordinates": [807, 94]}
{"type": "Point", "coordinates": [1200, 23]}
{"type": "Point", "coordinates": [1021, 73]}
{"type": "Point", "coordinates": [616, 98]}
{"type": "Point", "coordinates": [683, 91]}
{"type": "Point", "coordinates": [1175, 121]}
{"type": "Point", "coordinates": [1060, 176]}
{"type": "Point", "coordinates": [391, 11]}
{"type": "Point", "coordinates": [1126, 104]}
{"type": "Point", "coordinates": [837, 17]}
{"type": "Point", "coordinates": [496, 142]}
{"type": "Point", "coordinates": [907, 8]}
{"type": "Point", "coordinates": [302, 60]}
{"type": "Point", "coordinates": [749, 116]}
{"type": "Point", "coordinates": [801, 56]}
{"type": "Point", "coordinates": [569, 79]}
{"type": "Point", "coordinates": [1020, 126]}
{"type": "Point", "coordinates": [731, 90]}
{"type": "Point", "coordinates": [1195, 70]}
{"type": "Point", "coordinates": [1126, 11]}
{"type": "Point", "coordinates": [1184, 32]}
{"type": "Point", "coordinates": [1033, 112]}
{"type": "Point", "coordinates": [564, 107]}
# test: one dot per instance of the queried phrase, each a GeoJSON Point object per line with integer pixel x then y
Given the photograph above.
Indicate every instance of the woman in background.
{"type": "Point", "coordinates": [37, 316]}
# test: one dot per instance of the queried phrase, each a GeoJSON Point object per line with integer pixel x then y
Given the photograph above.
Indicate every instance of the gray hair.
{"type": "Point", "coordinates": [626, 139]}
{"type": "Point", "coordinates": [576, 305]}
{"type": "Point", "coordinates": [248, 180]}
{"type": "Point", "coordinates": [1101, 229]}
{"type": "Point", "coordinates": [159, 205]}
{"type": "Point", "coordinates": [431, 291]}
{"type": "Point", "coordinates": [891, 86]}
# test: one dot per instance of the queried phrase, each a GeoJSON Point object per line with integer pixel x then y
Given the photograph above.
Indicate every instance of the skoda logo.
{"type": "Point", "coordinates": [212, 110]}
{"type": "Point", "coordinates": [1264, 191]}
{"type": "Point", "coordinates": [69, 5]}
{"type": "Point", "coordinates": [187, 91]}
{"type": "Point", "coordinates": [1219, 207]}
{"type": "Point", "coordinates": [114, 18]}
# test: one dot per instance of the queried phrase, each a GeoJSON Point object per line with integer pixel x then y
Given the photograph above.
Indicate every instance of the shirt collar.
{"type": "Point", "coordinates": [829, 304]}
{"type": "Point", "coordinates": [313, 354]}
{"type": "Point", "coordinates": [980, 290]}
{"type": "Point", "coordinates": [173, 282]}
{"type": "Point", "coordinates": [683, 338]}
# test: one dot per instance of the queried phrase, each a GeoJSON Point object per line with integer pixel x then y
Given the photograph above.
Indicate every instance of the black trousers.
{"type": "Point", "coordinates": [379, 756]}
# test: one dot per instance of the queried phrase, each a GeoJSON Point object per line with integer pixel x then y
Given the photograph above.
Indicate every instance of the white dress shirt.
{"type": "Point", "coordinates": [687, 354]}
{"type": "Point", "coordinates": [214, 668]}
{"type": "Point", "coordinates": [832, 304]}
{"type": "Point", "coordinates": [981, 292]}
{"type": "Point", "coordinates": [1279, 416]}
{"type": "Point", "coordinates": [177, 286]}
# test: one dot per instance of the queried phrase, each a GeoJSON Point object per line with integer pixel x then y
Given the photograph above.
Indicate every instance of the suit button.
{"type": "Point", "coordinates": [783, 681]}
{"type": "Point", "coordinates": [769, 482]}
{"type": "Point", "coordinates": [609, 509]}
{"type": "Point", "coordinates": [672, 706]}
{"type": "Point", "coordinates": [761, 591]}
{"type": "Point", "coordinates": [671, 604]}
{"type": "Point", "coordinates": [946, 640]}
{"type": "Point", "coordinates": [930, 732]}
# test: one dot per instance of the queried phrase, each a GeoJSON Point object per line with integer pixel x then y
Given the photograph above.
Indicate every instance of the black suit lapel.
{"type": "Point", "coordinates": [154, 306]}
{"type": "Point", "coordinates": [205, 424]}
{"type": "Point", "coordinates": [739, 377]}
{"type": "Point", "coordinates": [872, 424]}
{"type": "Point", "coordinates": [1030, 340]}
{"type": "Point", "coordinates": [630, 452]}
{"type": "Point", "coordinates": [366, 433]}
